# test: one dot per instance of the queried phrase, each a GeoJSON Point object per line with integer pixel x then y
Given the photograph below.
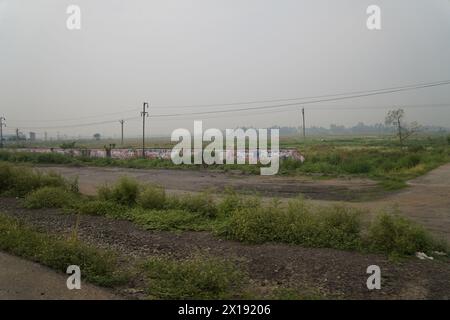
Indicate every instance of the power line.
{"type": "Point", "coordinates": [413, 86]}
{"type": "Point", "coordinates": [307, 102]}
{"type": "Point", "coordinates": [380, 91]}
{"type": "Point", "coordinates": [286, 108]}
{"type": "Point", "coordinates": [337, 97]}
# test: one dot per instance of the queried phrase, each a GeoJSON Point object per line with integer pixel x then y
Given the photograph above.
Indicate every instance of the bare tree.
{"type": "Point", "coordinates": [396, 118]}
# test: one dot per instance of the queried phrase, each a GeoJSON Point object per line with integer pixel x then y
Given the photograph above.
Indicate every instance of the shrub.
{"type": "Point", "coordinates": [18, 181]}
{"type": "Point", "coordinates": [49, 197]}
{"type": "Point", "coordinates": [334, 227]}
{"type": "Point", "coordinates": [99, 267]}
{"type": "Point", "coordinates": [124, 192]}
{"type": "Point", "coordinates": [229, 203]}
{"type": "Point", "coordinates": [397, 235]}
{"type": "Point", "coordinates": [104, 193]}
{"type": "Point", "coordinates": [202, 203]}
{"type": "Point", "coordinates": [410, 161]}
{"type": "Point", "coordinates": [194, 278]}
{"type": "Point", "coordinates": [169, 220]}
{"type": "Point", "coordinates": [356, 167]}
{"type": "Point", "coordinates": [101, 208]}
{"type": "Point", "coordinates": [152, 197]}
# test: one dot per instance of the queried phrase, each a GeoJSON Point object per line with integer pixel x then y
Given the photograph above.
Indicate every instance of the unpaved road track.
{"type": "Point", "coordinates": [199, 180]}
{"type": "Point", "coordinates": [22, 279]}
{"type": "Point", "coordinates": [327, 272]}
{"type": "Point", "coordinates": [426, 200]}
{"type": "Point", "coordinates": [335, 272]}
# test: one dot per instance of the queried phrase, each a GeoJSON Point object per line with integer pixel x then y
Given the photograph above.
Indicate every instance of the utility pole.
{"type": "Point", "coordinates": [121, 124]}
{"type": "Point", "coordinates": [303, 116]}
{"type": "Point", "coordinates": [144, 114]}
{"type": "Point", "coordinates": [1, 130]}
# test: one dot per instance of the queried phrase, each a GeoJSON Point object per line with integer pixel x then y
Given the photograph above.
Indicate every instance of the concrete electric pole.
{"type": "Point", "coordinates": [121, 124]}
{"type": "Point", "coordinates": [2, 123]}
{"type": "Point", "coordinates": [144, 114]}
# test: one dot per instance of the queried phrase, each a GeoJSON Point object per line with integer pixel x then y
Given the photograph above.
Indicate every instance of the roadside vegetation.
{"type": "Point", "coordinates": [200, 277]}
{"type": "Point", "coordinates": [197, 277]}
{"type": "Point", "coordinates": [234, 217]}
{"type": "Point", "coordinates": [377, 158]}
{"type": "Point", "coordinates": [99, 267]}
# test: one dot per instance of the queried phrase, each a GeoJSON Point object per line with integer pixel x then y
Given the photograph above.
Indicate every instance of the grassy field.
{"type": "Point", "coordinates": [233, 217]}
{"type": "Point", "coordinates": [378, 158]}
{"type": "Point", "coordinates": [199, 275]}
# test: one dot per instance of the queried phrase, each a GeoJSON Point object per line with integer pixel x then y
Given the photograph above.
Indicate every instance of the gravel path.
{"type": "Point", "coordinates": [333, 273]}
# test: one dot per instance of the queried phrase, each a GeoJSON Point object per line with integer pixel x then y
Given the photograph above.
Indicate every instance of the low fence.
{"type": "Point", "coordinates": [153, 153]}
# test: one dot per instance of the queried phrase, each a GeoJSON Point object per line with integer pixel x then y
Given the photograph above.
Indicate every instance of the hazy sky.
{"type": "Point", "coordinates": [190, 52]}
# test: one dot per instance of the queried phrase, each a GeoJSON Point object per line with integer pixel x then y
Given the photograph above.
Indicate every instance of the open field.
{"type": "Point", "coordinates": [296, 249]}
{"type": "Point", "coordinates": [424, 200]}
{"type": "Point", "coordinates": [376, 158]}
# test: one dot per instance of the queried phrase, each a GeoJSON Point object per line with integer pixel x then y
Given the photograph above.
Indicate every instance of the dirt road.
{"type": "Point", "coordinates": [315, 271]}
{"type": "Point", "coordinates": [22, 279]}
{"type": "Point", "coordinates": [426, 200]}
{"type": "Point", "coordinates": [198, 180]}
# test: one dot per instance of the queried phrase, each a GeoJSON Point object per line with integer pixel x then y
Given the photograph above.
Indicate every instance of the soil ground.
{"type": "Point", "coordinates": [319, 272]}
{"type": "Point", "coordinates": [199, 180]}
{"type": "Point", "coordinates": [426, 200]}
{"type": "Point", "coordinates": [323, 272]}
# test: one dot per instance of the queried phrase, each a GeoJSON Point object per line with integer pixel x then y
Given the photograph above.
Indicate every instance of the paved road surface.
{"type": "Point", "coordinates": [22, 279]}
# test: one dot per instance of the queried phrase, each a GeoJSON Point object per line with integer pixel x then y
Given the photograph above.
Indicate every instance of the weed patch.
{"type": "Point", "coordinates": [98, 267]}
{"type": "Point", "coordinates": [194, 278]}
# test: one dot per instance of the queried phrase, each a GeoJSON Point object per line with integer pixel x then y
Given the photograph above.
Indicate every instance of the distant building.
{"type": "Point", "coordinates": [32, 136]}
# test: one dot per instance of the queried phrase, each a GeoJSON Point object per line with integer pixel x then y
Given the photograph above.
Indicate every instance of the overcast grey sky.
{"type": "Point", "coordinates": [185, 52]}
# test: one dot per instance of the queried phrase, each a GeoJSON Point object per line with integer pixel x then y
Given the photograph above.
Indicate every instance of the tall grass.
{"type": "Point", "coordinates": [397, 236]}
{"type": "Point", "coordinates": [302, 224]}
{"type": "Point", "coordinates": [194, 278]}
{"type": "Point", "coordinates": [50, 197]}
{"type": "Point", "coordinates": [18, 181]}
{"type": "Point", "coordinates": [124, 192]}
{"type": "Point", "coordinates": [98, 267]}
{"type": "Point", "coordinates": [234, 217]}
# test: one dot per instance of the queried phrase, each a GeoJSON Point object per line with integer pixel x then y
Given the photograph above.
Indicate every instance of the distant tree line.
{"type": "Point", "coordinates": [359, 128]}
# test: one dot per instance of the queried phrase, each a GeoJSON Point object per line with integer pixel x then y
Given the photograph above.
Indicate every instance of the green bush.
{"type": "Point", "coordinates": [201, 203]}
{"type": "Point", "coordinates": [101, 208]}
{"type": "Point", "coordinates": [356, 167]}
{"type": "Point", "coordinates": [194, 278]}
{"type": "Point", "coordinates": [410, 161]}
{"type": "Point", "coordinates": [49, 197]}
{"type": "Point", "coordinates": [152, 197]}
{"type": "Point", "coordinates": [18, 181]}
{"type": "Point", "coordinates": [397, 235]}
{"type": "Point", "coordinates": [124, 192]}
{"type": "Point", "coordinates": [98, 267]}
{"type": "Point", "coordinates": [169, 220]}
{"type": "Point", "coordinates": [334, 227]}
{"type": "Point", "coordinates": [230, 202]}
